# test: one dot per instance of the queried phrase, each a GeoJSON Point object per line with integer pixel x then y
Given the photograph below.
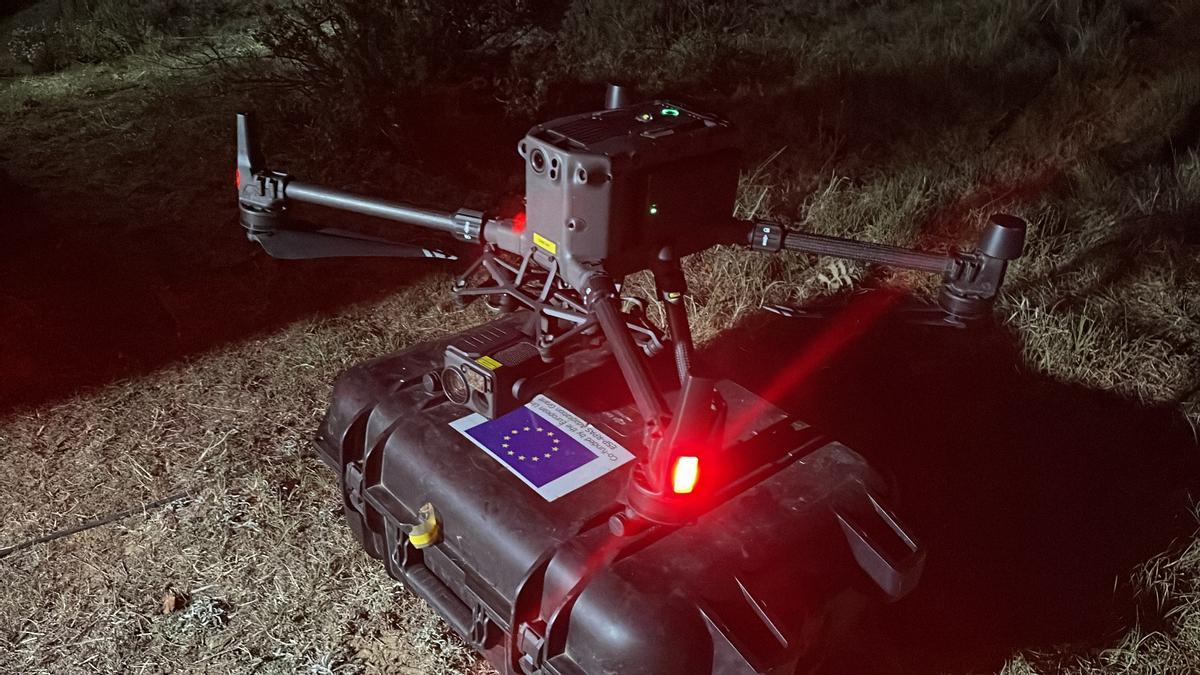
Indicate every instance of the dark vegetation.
{"type": "Point", "coordinates": [93, 31]}
{"type": "Point", "coordinates": [145, 345]}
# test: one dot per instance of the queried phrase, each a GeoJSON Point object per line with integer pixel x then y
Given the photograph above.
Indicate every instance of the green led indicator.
{"type": "Point", "coordinates": [670, 112]}
{"type": "Point", "coordinates": [654, 209]}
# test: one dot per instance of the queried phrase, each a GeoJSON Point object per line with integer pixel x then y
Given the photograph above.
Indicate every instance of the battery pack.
{"type": "Point", "coordinates": [508, 526]}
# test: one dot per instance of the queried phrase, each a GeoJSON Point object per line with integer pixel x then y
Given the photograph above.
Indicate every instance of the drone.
{"type": "Point", "coordinates": [569, 485]}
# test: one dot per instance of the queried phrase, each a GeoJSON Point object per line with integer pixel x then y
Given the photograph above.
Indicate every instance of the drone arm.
{"type": "Point", "coordinates": [463, 224]}
{"type": "Point", "coordinates": [265, 195]}
{"type": "Point", "coordinates": [269, 193]}
{"type": "Point", "coordinates": [970, 280]}
{"type": "Point", "coordinates": [771, 237]}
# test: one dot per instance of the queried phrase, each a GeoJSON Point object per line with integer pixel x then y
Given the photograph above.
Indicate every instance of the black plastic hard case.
{"type": "Point", "coordinates": [758, 584]}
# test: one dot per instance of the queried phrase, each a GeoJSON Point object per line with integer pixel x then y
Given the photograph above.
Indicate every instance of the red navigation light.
{"type": "Point", "coordinates": [684, 474]}
{"type": "Point", "coordinates": [518, 225]}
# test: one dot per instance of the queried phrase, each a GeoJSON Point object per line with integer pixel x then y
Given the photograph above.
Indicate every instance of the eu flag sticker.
{"type": "Point", "coordinates": [548, 447]}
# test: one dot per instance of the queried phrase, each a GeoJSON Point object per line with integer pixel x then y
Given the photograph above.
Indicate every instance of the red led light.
{"type": "Point", "coordinates": [518, 223]}
{"type": "Point", "coordinates": [684, 474]}
{"type": "Point", "coordinates": [237, 178]}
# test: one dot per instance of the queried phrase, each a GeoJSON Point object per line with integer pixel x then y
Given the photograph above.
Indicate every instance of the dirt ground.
{"type": "Point", "coordinates": [149, 352]}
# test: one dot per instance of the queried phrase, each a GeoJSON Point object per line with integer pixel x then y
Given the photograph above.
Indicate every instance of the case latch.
{"type": "Point", "coordinates": [428, 529]}
{"type": "Point", "coordinates": [882, 548]}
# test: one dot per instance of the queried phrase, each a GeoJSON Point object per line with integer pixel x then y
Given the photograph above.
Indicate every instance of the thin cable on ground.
{"type": "Point", "coordinates": [95, 522]}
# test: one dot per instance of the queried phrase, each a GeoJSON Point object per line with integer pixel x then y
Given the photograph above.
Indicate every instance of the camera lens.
{"type": "Point", "coordinates": [455, 386]}
{"type": "Point", "coordinates": [538, 160]}
{"type": "Point", "coordinates": [431, 382]}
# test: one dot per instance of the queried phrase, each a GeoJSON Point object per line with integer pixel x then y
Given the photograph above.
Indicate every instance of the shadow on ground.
{"type": "Point", "coordinates": [1034, 498]}
{"type": "Point", "coordinates": [86, 299]}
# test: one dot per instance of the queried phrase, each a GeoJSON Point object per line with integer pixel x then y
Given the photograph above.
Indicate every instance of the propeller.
{"type": "Point", "coordinates": [301, 244]}
{"type": "Point", "coordinates": [909, 310]}
{"type": "Point", "coordinates": [262, 205]}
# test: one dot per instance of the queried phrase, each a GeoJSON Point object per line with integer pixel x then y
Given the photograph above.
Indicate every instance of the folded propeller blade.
{"type": "Point", "coordinates": [288, 244]}
{"type": "Point", "coordinates": [910, 311]}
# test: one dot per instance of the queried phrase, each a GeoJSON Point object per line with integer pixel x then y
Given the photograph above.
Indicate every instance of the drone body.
{"type": "Point", "coordinates": [659, 170]}
{"type": "Point", "coordinates": [568, 485]}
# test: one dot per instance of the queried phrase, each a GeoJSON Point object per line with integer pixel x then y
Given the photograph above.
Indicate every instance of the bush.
{"type": "Point", "coordinates": [360, 60]}
{"type": "Point", "coordinates": [657, 41]}
{"type": "Point", "coordinates": [369, 54]}
{"type": "Point", "coordinates": [695, 47]}
{"type": "Point", "coordinates": [91, 31]}
{"type": "Point", "coordinates": [41, 46]}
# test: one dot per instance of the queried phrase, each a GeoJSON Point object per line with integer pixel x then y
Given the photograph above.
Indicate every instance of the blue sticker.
{"type": "Point", "coordinates": [531, 446]}
{"type": "Point", "coordinates": [548, 447]}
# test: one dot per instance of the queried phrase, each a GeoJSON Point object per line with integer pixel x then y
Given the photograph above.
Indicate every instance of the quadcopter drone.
{"type": "Point", "coordinates": [569, 485]}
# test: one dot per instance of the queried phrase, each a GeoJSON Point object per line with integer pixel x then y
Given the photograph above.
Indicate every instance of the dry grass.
{"type": "Point", "coordinates": [1166, 635]}
{"type": "Point", "coordinates": [274, 581]}
{"type": "Point", "coordinates": [1108, 297]}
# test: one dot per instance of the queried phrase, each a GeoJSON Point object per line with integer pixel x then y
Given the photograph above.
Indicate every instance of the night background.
{"type": "Point", "coordinates": [147, 350]}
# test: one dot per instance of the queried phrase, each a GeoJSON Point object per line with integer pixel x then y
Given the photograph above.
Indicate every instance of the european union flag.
{"type": "Point", "coordinates": [546, 446]}
{"type": "Point", "coordinates": [532, 446]}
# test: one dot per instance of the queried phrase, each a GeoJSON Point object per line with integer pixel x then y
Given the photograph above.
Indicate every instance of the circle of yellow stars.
{"type": "Point", "coordinates": [532, 457]}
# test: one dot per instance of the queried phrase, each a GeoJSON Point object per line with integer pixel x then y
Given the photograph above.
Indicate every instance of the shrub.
{"type": "Point", "coordinates": [41, 46]}
{"type": "Point", "coordinates": [368, 54]}
{"type": "Point", "coordinates": [91, 31]}
{"type": "Point", "coordinates": [696, 47]}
